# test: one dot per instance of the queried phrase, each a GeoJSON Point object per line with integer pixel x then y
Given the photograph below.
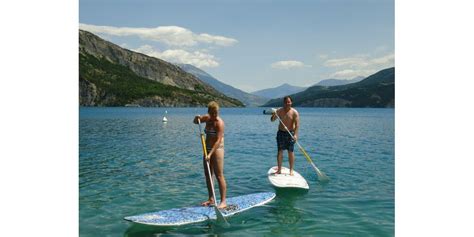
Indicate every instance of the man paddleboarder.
{"type": "Point", "coordinates": [291, 119]}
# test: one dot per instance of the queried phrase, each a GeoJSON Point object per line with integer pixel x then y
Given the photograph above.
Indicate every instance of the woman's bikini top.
{"type": "Point", "coordinates": [211, 132]}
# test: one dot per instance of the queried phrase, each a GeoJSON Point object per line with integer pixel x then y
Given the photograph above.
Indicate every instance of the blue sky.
{"type": "Point", "coordinates": [253, 45]}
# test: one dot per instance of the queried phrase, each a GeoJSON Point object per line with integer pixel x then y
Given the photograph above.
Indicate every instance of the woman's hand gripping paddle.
{"type": "Point", "coordinates": [322, 177]}
{"type": "Point", "coordinates": [219, 215]}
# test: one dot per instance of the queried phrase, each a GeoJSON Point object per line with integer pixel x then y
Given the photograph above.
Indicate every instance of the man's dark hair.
{"type": "Point", "coordinates": [287, 97]}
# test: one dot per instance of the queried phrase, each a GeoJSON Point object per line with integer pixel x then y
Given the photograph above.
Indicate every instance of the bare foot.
{"type": "Point", "coordinates": [278, 171]}
{"type": "Point", "coordinates": [222, 205]}
{"type": "Point", "coordinates": [207, 203]}
{"type": "Point", "coordinates": [291, 173]}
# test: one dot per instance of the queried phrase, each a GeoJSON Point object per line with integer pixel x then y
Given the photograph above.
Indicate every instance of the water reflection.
{"type": "Point", "coordinates": [285, 211]}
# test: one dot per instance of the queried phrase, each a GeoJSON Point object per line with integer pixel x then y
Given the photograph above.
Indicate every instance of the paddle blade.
{"type": "Point", "coordinates": [322, 177]}
{"type": "Point", "coordinates": [220, 217]}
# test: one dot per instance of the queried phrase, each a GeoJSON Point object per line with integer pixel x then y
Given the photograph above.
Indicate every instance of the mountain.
{"type": "Point", "coordinates": [377, 91]}
{"type": "Point", "coordinates": [247, 98]}
{"type": "Point", "coordinates": [338, 82]}
{"type": "Point", "coordinates": [113, 76]}
{"type": "Point", "coordinates": [280, 91]}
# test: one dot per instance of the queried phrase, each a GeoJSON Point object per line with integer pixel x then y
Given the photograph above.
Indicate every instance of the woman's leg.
{"type": "Point", "coordinates": [218, 166]}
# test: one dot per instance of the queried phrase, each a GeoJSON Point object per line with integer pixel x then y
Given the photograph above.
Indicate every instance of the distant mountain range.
{"type": "Point", "coordinates": [248, 99]}
{"type": "Point", "coordinates": [377, 90]}
{"type": "Point", "coordinates": [280, 91]}
{"type": "Point", "coordinates": [113, 76]}
{"type": "Point", "coordinates": [287, 89]}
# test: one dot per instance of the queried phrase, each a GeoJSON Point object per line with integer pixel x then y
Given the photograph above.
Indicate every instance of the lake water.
{"type": "Point", "coordinates": [130, 162]}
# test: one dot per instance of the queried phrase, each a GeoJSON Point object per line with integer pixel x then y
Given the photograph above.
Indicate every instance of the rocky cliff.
{"type": "Point", "coordinates": [113, 76]}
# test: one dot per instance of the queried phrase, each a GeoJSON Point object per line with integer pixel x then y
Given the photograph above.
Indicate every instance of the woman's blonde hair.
{"type": "Point", "coordinates": [213, 106]}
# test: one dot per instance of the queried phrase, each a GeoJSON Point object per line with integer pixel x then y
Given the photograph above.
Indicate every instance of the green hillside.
{"type": "Point", "coordinates": [376, 91]}
{"type": "Point", "coordinates": [103, 83]}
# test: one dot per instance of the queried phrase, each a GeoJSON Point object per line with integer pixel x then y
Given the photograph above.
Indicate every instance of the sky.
{"type": "Point", "coordinates": [253, 45]}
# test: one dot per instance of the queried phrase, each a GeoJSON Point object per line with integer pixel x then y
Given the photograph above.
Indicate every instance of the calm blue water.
{"type": "Point", "coordinates": [130, 163]}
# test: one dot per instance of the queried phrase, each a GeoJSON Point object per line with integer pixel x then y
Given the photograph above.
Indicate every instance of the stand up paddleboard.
{"type": "Point", "coordinates": [285, 180]}
{"type": "Point", "coordinates": [182, 216]}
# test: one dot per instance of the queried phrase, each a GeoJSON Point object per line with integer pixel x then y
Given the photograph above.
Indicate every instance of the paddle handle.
{"type": "Point", "coordinates": [203, 143]}
{"type": "Point", "coordinates": [204, 149]}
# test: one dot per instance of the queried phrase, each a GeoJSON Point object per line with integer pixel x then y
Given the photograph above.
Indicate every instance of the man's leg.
{"type": "Point", "coordinates": [279, 160]}
{"type": "Point", "coordinates": [291, 159]}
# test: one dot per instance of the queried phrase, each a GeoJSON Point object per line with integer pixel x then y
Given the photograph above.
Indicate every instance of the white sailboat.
{"type": "Point", "coordinates": [164, 117]}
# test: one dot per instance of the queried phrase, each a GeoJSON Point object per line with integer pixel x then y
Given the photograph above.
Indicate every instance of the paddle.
{"type": "Point", "coordinates": [321, 175]}
{"type": "Point", "coordinates": [219, 215]}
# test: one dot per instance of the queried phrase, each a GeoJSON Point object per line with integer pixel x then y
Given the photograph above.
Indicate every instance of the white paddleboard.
{"type": "Point", "coordinates": [285, 180]}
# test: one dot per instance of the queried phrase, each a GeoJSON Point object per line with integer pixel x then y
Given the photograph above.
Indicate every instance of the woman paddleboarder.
{"type": "Point", "coordinates": [215, 151]}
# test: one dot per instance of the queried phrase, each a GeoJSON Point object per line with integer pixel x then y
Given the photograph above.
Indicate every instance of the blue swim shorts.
{"type": "Point", "coordinates": [284, 140]}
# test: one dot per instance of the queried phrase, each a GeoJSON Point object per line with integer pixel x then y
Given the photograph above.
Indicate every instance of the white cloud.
{"type": "Point", "coordinates": [388, 60]}
{"type": "Point", "coordinates": [323, 56]}
{"type": "Point", "coordinates": [170, 35]}
{"type": "Point", "coordinates": [362, 61]}
{"type": "Point", "coordinates": [215, 39]}
{"type": "Point", "coordinates": [350, 73]}
{"type": "Point", "coordinates": [288, 64]}
{"type": "Point", "coordinates": [197, 58]}
{"type": "Point", "coordinates": [359, 65]}
{"type": "Point", "coordinates": [346, 62]}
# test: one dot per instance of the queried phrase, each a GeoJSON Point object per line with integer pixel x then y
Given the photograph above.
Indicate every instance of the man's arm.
{"type": "Point", "coordinates": [297, 124]}
{"type": "Point", "coordinates": [273, 118]}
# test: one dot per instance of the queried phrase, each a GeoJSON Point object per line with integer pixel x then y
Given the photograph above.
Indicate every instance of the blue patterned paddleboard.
{"type": "Point", "coordinates": [188, 215]}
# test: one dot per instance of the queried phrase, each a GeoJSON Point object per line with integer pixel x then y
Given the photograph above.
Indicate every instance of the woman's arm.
{"type": "Point", "coordinates": [202, 118]}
